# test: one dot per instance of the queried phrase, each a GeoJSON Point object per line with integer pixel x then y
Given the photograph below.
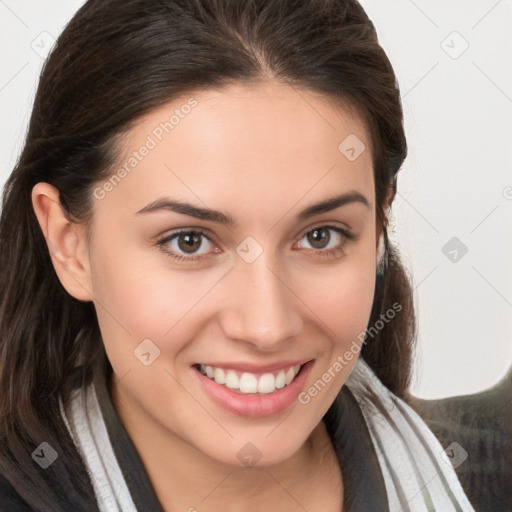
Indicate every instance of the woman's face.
{"type": "Point", "coordinates": [241, 236]}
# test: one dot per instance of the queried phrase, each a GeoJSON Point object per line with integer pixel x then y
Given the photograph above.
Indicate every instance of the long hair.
{"type": "Point", "coordinates": [116, 61]}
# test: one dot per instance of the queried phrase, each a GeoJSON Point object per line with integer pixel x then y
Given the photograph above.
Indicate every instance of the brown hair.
{"type": "Point", "coordinates": [116, 61]}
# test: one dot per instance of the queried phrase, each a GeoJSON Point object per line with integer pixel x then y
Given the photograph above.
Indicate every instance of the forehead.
{"type": "Point", "coordinates": [251, 145]}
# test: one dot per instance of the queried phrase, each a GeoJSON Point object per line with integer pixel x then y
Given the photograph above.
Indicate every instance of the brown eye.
{"type": "Point", "coordinates": [325, 239]}
{"type": "Point", "coordinates": [189, 242]}
{"type": "Point", "coordinates": [319, 238]}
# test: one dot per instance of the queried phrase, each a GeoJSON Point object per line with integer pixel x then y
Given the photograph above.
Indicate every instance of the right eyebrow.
{"type": "Point", "coordinates": [166, 203]}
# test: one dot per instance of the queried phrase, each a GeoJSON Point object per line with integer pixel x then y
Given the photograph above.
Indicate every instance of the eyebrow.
{"type": "Point", "coordinates": [327, 205]}
{"type": "Point", "coordinates": [333, 203]}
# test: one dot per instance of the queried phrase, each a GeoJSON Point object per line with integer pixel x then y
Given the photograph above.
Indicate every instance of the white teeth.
{"type": "Point", "coordinates": [266, 383]}
{"type": "Point", "coordinates": [232, 380]}
{"type": "Point", "coordinates": [280, 380]}
{"type": "Point", "coordinates": [250, 383]}
{"type": "Point", "coordinates": [219, 376]}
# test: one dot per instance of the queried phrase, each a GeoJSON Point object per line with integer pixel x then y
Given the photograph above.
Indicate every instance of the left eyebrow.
{"type": "Point", "coordinates": [333, 203]}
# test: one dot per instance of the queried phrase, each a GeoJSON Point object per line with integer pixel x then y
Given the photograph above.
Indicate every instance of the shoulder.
{"type": "Point", "coordinates": [480, 425]}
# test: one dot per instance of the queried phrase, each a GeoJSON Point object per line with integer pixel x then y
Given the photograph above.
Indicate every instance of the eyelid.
{"type": "Point", "coordinates": [336, 252]}
{"type": "Point", "coordinates": [343, 229]}
{"type": "Point", "coordinates": [163, 240]}
{"type": "Point", "coordinates": [170, 235]}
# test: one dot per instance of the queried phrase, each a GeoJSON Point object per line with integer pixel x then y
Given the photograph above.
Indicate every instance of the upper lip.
{"type": "Point", "coordinates": [257, 368]}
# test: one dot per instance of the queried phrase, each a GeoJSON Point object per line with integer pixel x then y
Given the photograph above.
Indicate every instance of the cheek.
{"type": "Point", "coordinates": [341, 299]}
{"type": "Point", "coordinates": [137, 297]}
{"type": "Point", "coordinates": [340, 303]}
{"type": "Point", "coordinates": [354, 299]}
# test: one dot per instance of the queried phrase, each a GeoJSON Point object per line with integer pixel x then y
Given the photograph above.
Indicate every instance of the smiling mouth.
{"type": "Point", "coordinates": [246, 382]}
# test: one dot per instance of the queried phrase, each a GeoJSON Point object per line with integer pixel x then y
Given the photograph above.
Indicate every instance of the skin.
{"type": "Point", "coordinates": [261, 154]}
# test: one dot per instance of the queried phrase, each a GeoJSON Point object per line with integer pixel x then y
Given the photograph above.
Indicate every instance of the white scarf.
{"type": "Point", "coordinates": [418, 477]}
{"type": "Point", "coordinates": [85, 423]}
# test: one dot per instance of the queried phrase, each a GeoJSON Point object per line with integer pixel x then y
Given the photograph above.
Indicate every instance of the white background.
{"type": "Point", "coordinates": [456, 181]}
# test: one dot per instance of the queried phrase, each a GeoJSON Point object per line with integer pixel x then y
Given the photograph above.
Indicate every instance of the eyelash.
{"type": "Point", "coordinates": [334, 252]}
{"type": "Point", "coordinates": [178, 257]}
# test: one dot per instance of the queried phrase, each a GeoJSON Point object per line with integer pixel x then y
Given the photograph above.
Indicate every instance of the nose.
{"type": "Point", "coordinates": [262, 310]}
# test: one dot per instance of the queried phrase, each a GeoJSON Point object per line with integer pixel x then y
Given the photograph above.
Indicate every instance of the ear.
{"type": "Point", "coordinates": [66, 240]}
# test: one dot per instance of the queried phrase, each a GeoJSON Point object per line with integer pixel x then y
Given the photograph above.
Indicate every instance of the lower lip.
{"type": "Point", "coordinates": [252, 404]}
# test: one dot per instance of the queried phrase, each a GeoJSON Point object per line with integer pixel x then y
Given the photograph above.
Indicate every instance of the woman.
{"type": "Point", "coordinates": [200, 308]}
